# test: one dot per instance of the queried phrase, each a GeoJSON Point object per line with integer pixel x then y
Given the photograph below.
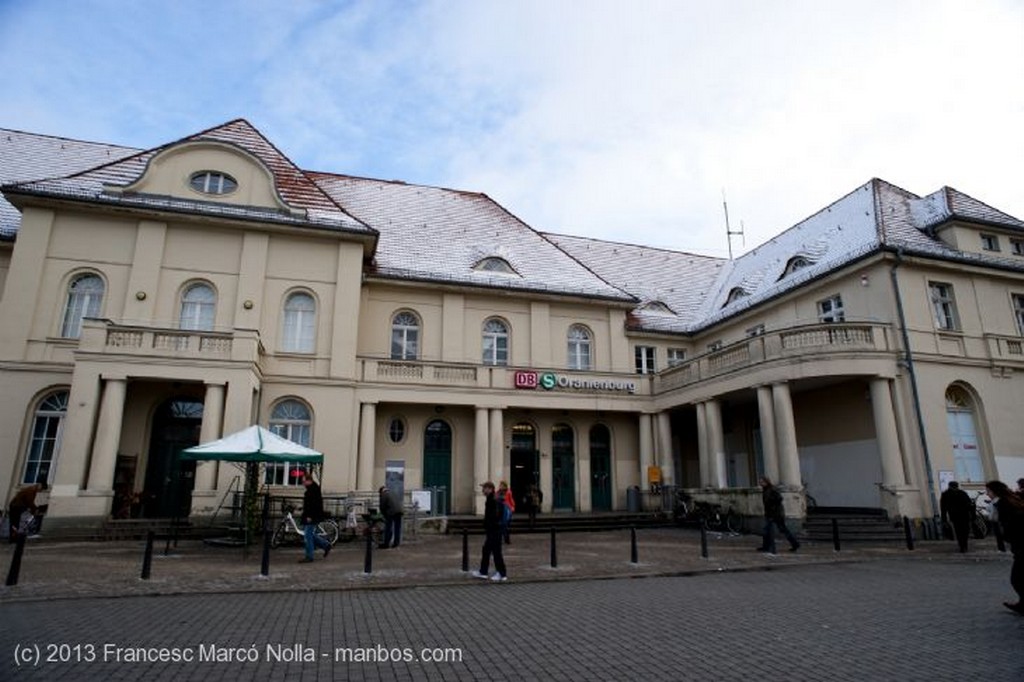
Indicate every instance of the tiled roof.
{"type": "Point", "coordinates": [294, 187]}
{"type": "Point", "coordinates": [436, 234]}
{"type": "Point", "coordinates": [28, 156]}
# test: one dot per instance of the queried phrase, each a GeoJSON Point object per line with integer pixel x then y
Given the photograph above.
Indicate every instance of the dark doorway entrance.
{"type": "Point", "coordinates": [437, 459]}
{"type": "Point", "coordinates": [563, 467]}
{"type": "Point", "coordinates": [525, 462]}
{"type": "Point", "coordinates": [600, 468]}
{"type": "Point", "coordinates": [168, 490]}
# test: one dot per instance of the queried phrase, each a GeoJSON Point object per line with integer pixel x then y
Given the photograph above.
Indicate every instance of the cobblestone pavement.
{"type": "Point", "coordinates": [863, 614]}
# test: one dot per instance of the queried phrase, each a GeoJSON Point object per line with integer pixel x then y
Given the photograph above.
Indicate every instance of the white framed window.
{"type": "Point", "coordinates": [989, 242]}
{"type": "Point", "coordinates": [85, 299]}
{"type": "Point", "coordinates": [405, 337]}
{"type": "Point", "coordinates": [831, 309]}
{"type": "Point", "coordinates": [756, 330]}
{"type": "Point", "coordinates": [676, 356]}
{"type": "Point", "coordinates": [644, 357]}
{"type": "Point", "coordinates": [943, 306]}
{"type": "Point", "coordinates": [495, 341]}
{"type": "Point", "coordinates": [198, 307]}
{"type": "Point", "coordinates": [1018, 312]}
{"type": "Point", "coordinates": [715, 345]}
{"type": "Point", "coordinates": [1017, 247]}
{"type": "Point", "coordinates": [212, 182]}
{"type": "Point", "coordinates": [579, 347]}
{"type": "Point", "coordinates": [795, 263]}
{"type": "Point", "coordinates": [43, 445]}
{"type": "Point", "coordinates": [495, 264]}
{"type": "Point", "coordinates": [292, 420]}
{"type": "Point", "coordinates": [298, 333]}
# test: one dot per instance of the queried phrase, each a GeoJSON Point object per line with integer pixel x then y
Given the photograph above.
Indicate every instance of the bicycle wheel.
{"type": "Point", "coordinates": [328, 530]}
{"type": "Point", "coordinates": [733, 522]}
{"type": "Point", "coordinates": [277, 539]}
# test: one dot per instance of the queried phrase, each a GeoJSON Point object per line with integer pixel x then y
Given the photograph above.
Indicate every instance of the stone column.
{"type": "Point", "coordinates": [785, 433]}
{"type": "Point", "coordinates": [481, 442]}
{"type": "Point", "coordinates": [769, 448]}
{"type": "Point", "coordinates": [716, 444]}
{"type": "Point", "coordinates": [885, 430]}
{"type": "Point", "coordinates": [367, 446]}
{"type": "Point", "coordinates": [665, 458]}
{"type": "Point", "coordinates": [496, 446]}
{"type": "Point", "coordinates": [213, 415]}
{"type": "Point", "coordinates": [108, 435]}
{"type": "Point", "coordinates": [646, 449]}
{"type": "Point", "coordinates": [702, 446]}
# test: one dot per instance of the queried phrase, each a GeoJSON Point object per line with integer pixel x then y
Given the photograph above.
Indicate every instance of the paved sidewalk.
{"type": "Point", "coordinates": [56, 570]}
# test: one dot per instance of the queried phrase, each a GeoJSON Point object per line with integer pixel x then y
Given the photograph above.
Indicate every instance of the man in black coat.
{"type": "Point", "coordinates": [774, 515]}
{"type": "Point", "coordinates": [312, 514]}
{"type": "Point", "coordinates": [492, 539]}
{"type": "Point", "coordinates": [956, 507]}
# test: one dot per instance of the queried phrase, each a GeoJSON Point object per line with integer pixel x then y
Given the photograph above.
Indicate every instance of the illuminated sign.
{"type": "Point", "coordinates": [550, 381]}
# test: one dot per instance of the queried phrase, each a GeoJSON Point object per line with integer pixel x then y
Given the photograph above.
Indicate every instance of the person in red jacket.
{"type": "Point", "coordinates": [506, 505]}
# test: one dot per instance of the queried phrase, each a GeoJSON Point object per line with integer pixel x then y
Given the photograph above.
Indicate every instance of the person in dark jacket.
{"type": "Point", "coordinates": [956, 507]}
{"type": "Point", "coordinates": [23, 501]}
{"type": "Point", "coordinates": [1010, 516]}
{"type": "Point", "coordinates": [312, 514]}
{"type": "Point", "coordinates": [774, 515]}
{"type": "Point", "coordinates": [492, 537]}
{"type": "Point", "coordinates": [391, 510]}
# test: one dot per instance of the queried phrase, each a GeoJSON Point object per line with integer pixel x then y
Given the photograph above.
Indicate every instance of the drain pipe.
{"type": "Point", "coordinates": [908, 359]}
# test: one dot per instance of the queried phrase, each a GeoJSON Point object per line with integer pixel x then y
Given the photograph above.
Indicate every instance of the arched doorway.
{"type": "Point", "coordinates": [168, 489]}
{"type": "Point", "coordinates": [963, 433]}
{"type": "Point", "coordinates": [525, 462]}
{"type": "Point", "coordinates": [563, 467]}
{"type": "Point", "coordinates": [600, 468]}
{"type": "Point", "coordinates": [437, 459]}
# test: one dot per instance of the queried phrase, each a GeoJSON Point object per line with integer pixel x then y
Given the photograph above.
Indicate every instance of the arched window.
{"type": "Point", "coordinates": [964, 435]}
{"type": "Point", "coordinates": [47, 426]}
{"type": "Point", "coordinates": [495, 342]}
{"type": "Point", "coordinates": [198, 305]}
{"type": "Point", "coordinates": [405, 337]}
{"type": "Point", "coordinates": [298, 334]}
{"type": "Point", "coordinates": [496, 264]}
{"type": "Point", "coordinates": [735, 294]}
{"type": "Point", "coordinates": [85, 299]}
{"type": "Point", "coordinates": [795, 263]}
{"type": "Point", "coordinates": [213, 182]}
{"type": "Point", "coordinates": [579, 347]}
{"type": "Point", "coordinates": [290, 419]}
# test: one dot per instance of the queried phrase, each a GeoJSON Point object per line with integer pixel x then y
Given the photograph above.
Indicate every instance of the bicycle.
{"type": "Point", "coordinates": [362, 524]}
{"type": "Point", "coordinates": [980, 515]}
{"type": "Point", "coordinates": [713, 518]}
{"type": "Point", "coordinates": [288, 530]}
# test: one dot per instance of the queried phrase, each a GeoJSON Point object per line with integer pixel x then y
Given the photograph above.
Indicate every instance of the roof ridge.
{"type": "Point", "coordinates": [632, 245]}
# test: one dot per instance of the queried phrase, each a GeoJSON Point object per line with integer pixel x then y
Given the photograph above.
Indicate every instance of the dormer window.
{"type": "Point", "coordinates": [795, 263]}
{"type": "Point", "coordinates": [657, 307]}
{"type": "Point", "coordinates": [213, 182]}
{"type": "Point", "coordinates": [989, 242]}
{"type": "Point", "coordinates": [735, 294]}
{"type": "Point", "coordinates": [495, 264]}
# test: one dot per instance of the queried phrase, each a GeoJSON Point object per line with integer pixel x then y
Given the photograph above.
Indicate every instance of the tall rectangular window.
{"type": "Point", "coordinates": [831, 309]}
{"type": "Point", "coordinates": [644, 356]}
{"type": "Point", "coordinates": [676, 356]}
{"type": "Point", "coordinates": [943, 305]}
{"type": "Point", "coordinates": [989, 242]}
{"type": "Point", "coordinates": [1018, 312]}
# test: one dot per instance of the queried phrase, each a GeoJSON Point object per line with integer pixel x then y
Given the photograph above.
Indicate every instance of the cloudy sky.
{"type": "Point", "coordinates": [617, 120]}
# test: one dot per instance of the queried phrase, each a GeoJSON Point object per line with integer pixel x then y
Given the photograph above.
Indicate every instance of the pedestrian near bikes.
{"type": "Point", "coordinates": [312, 514]}
{"type": "Point", "coordinates": [774, 515]}
{"type": "Point", "coordinates": [956, 507]}
{"type": "Point", "coordinates": [1010, 516]}
{"type": "Point", "coordinates": [391, 510]}
{"type": "Point", "coordinates": [23, 501]}
{"type": "Point", "coordinates": [492, 537]}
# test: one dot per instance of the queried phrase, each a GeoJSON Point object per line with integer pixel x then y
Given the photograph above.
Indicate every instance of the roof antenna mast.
{"type": "Point", "coordinates": [729, 232]}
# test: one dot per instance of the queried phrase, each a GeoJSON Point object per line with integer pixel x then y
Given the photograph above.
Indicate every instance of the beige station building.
{"type": "Point", "coordinates": [155, 299]}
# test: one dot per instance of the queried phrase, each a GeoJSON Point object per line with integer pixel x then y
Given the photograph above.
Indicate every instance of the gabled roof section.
{"type": "Point", "coordinates": [677, 280]}
{"type": "Point", "coordinates": [28, 156]}
{"type": "Point", "coordinates": [292, 184]}
{"type": "Point", "coordinates": [436, 234]}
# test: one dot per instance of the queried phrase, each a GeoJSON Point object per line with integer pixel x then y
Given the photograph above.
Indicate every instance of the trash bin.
{"type": "Point", "coordinates": [633, 503]}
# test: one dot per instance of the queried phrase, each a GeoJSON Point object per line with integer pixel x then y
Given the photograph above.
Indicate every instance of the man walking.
{"type": "Point", "coordinates": [312, 514]}
{"type": "Point", "coordinates": [391, 510]}
{"type": "Point", "coordinates": [492, 538]}
{"type": "Point", "coordinates": [774, 515]}
{"type": "Point", "coordinates": [956, 508]}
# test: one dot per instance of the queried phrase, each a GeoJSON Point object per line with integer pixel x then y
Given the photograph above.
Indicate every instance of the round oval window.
{"type": "Point", "coordinates": [396, 430]}
{"type": "Point", "coordinates": [213, 182]}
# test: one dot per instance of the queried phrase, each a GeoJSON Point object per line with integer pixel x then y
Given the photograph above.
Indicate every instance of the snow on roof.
{"type": "Point", "coordinates": [29, 156]}
{"type": "Point", "coordinates": [436, 234]}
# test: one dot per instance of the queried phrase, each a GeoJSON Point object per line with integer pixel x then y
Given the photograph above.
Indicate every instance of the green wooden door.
{"type": "Point", "coordinates": [600, 468]}
{"type": "Point", "coordinates": [563, 468]}
{"type": "Point", "coordinates": [437, 459]}
{"type": "Point", "coordinates": [169, 483]}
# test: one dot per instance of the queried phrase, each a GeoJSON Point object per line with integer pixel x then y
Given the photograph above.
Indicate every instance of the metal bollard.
{"type": "Point", "coordinates": [368, 561]}
{"type": "Point", "coordinates": [265, 563]}
{"type": "Point", "coordinates": [554, 550]}
{"type": "Point", "coordinates": [19, 549]}
{"type": "Point", "coordinates": [465, 550]}
{"type": "Point", "coordinates": [633, 555]}
{"type": "Point", "coordinates": [147, 558]}
{"type": "Point", "coordinates": [908, 532]}
{"type": "Point", "coordinates": [835, 534]}
{"type": "Point", "coordinates": [703, 542]}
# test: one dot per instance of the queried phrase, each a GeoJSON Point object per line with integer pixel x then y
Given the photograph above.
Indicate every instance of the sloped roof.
{"type": "Point", "coordinates": [294, 187]}
{"type": "Point", "coordinates": [437, 234]}
{"type": "Point", "coordinates": [29, 156]}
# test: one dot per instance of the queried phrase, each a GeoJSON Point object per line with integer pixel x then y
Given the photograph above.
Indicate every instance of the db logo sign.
{"type": "Point", "coordinates": [526, 379]}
